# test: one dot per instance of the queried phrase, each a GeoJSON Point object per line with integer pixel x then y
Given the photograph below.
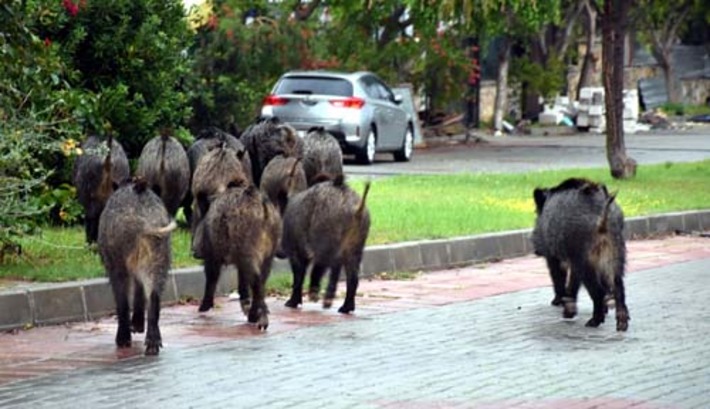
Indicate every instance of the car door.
{"type": "Point", "coordinates": [394, 118]}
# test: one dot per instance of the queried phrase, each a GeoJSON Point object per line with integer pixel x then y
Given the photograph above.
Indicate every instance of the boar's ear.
{"type": "Point", "coordinates": [540, 196]}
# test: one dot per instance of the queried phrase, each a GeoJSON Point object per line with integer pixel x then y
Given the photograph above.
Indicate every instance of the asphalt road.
{"type": "Point", "coordinates": [532, 153]}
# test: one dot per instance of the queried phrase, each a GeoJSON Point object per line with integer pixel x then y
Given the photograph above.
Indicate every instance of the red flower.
{"type": "Point", "coordinates": [47, 42]}
{"type": "Point", "coordinates": [70, 7]}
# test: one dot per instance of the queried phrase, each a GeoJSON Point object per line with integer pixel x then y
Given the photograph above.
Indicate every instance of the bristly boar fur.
{"type": "Point", "coordinates": [164, 164]}
{"type": "Point", "coordinates": [283, 178]}
{"type": "Point", "coordinates": [217, 170]}
{"type": "Point", "coordinates": [267, 139]}
{"type": "Point", "coordinates": [241, 228]}
{"type": "Point", "coordinates": [579, 231]}
{"type": "Point", "coordinates": [208, 139]}
{"type": "Point", "coordinates": [327, 226]}
{"type": "Point", "coordinates": [321, 155]}
{"type": "Point", "coordinates": [95, 176]}
{"type": "Point", "coordinates": [134, 243]}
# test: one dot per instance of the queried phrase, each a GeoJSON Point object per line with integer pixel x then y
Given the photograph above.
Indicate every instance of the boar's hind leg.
{"type": "Point", "coordinates": [298, 267]}
{"type": "Point", "coordinates": [153, 340]}
{"type": "Point", "coordinates": [316, 276]}
{"type": "Point", "coordinates": [332, 286]}
{"type": "Point", "coordinates": [571, 291]}
{"type": "Point", "coordinates": [119, 285]}
{"type": "Point", "coordinates": [258, 313]}
{"type": "Point", "coordinates": [243, 290]}
{"type": "Point", "coordinates": [559, 279]}
{"type": "Point", "coordinates": [212, 271]}
{"type": "Point", "coordinates": [622, 312]}
{"type": "Point", "coordinates": [138, 319]}
{"type": "Point", "coordinates": [351, 271]}
{"type": "Point", "coordinates": [597, 292]}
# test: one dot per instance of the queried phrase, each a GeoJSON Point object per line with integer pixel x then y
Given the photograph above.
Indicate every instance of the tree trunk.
{"type": "Point", "coordinates": [501, 86]}
{"type": "Point", "coordinates": [590, 27]}
{"type": "Point", "coordinates": [671, 83]}
{"type": "Point", "coordinates": [614, 30]}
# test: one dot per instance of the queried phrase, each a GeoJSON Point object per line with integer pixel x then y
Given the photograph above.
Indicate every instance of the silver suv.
{"type": "Point", "coordinates": [359, 109]}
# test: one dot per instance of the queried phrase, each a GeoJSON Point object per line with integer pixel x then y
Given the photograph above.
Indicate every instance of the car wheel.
{"type": "Point", "coordinates": [404, 154]}
{"type": "Point", "coordinates": [367, 154]}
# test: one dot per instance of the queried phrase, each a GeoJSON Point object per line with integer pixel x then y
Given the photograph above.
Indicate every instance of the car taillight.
{"type": "Point", "coordinates": [273, 100]}
{"type": "Point", "coordinates": [352, 102]}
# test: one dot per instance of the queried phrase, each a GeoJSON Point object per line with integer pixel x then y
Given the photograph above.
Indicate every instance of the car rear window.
{"type": "Point", "coordinates": [314, 86]}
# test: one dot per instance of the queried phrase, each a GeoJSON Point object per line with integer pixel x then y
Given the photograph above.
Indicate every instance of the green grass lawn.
{"type": "Point", "coordinates": [410, 208]}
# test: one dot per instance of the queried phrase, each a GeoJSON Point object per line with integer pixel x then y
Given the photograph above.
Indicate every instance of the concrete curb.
{"type": "Point", "coordinates": [91, 299]}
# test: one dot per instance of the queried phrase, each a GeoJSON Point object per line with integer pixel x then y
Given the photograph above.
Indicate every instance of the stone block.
{"type": "Point", "coordinates": [16, 310]}
{"type": "Point", "coordinates": [58, 303]}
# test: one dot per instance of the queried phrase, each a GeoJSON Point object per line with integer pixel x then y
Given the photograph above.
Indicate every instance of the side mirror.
{"type": "Point", "coordinates": [397, 99]}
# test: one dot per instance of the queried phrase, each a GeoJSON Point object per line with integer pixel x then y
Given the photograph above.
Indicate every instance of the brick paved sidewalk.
{"type": "Point", "coordinates": [443, 298]}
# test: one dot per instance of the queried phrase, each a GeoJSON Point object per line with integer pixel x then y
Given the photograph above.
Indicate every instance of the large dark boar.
{"type": "Point", "coordinates": [326, 225]}
{"type": "Point", "coordinates": [102, 166]}
{"type": "Point", "coordinates": [579, 231]}
{"type": "Point", "coordinates": [283, 178]}
{"type": "Point", "coordinates": [241, 228]}
{"type": "Point", "coordinates": [134, 243]}
{"type": "Point", "coordinates": [208, 139]}
{"type": "Point", "coordinates": [218, 169]}
{"type": "Point", "coordinates": [164, 164]}
{"type": "Point", "coordinates": [321, 155]}
{"type": "Point", "coordinates": [267, 139]}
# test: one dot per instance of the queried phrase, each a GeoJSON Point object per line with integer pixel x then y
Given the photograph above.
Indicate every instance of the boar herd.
{"type": "Point", "coordinates": [269, 193]}
{"type": "Point", "coordinates": [247, 199]}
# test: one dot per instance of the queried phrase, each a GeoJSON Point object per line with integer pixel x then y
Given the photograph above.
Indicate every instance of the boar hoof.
{"type": "Point", "coordinates": [557, 301]}
{"type": "Point", "coordinates": [346, 309]}
{"type": "Point", "coordinates": [123, 340]}
{"type": "Point", "coordinates": [327, 303]}
{"type": "Point", "coordinates": [206, 306]}
{"type": "Point", "coordinates": [622, 320]}
{"type": "Point", "coordinates": [137, 325]}
{"type": "Point", "coordinates": [152, 347]}
{"type": "Point", "coordinates": [291, 303]}
{"type": "Point", "coordinates": [593, 322]}
{"type": "Point", "coordinates": [263, 322]}
{"type": "Point", "coordinates": [570, 310]}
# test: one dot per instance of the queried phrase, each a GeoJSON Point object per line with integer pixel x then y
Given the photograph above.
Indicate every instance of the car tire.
{"type": "Point", "coordinates": [366, 155]}
{"type": "Point", "coordinates": [404, 154]}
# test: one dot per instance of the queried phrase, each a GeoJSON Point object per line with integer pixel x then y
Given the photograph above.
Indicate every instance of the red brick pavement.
{"type": "Point", "coordinates": [40, 351]}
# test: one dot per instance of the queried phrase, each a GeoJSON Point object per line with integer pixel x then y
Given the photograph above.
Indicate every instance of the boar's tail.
{"type": "Point", "coordinates": [106, 186]}
{"type": "Point", "coordinates": [164, 137]}
{"type": "Point", "coordinates": [292, 173]}
{"type": "Point", "coordinates": [162, 231]}
{"type": "Point", "coordinates": [293, 168]}
{"type": "Point", "coordinates": [603, 225]}
{"type": "Point", "coordinates": [361, 208]}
